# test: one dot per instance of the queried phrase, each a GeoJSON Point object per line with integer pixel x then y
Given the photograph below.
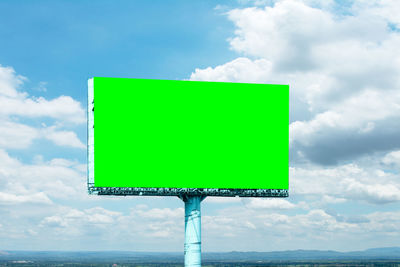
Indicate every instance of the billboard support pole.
{"type": "Point", "coordinates": [192, 248]}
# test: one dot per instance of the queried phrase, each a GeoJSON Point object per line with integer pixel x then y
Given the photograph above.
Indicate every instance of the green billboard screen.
{"type": "Point", "coordinates": [162, 137]}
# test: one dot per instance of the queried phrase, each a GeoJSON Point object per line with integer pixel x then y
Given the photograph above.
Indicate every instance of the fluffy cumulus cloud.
{"type": "Point", "coordinates": [343, 72]}
{"type": "Point", "coordinates": [392, 158]}
{"type": "Point", "coordinates": [35, 183]}
{"type": "Point", "coordinates": [8, 198]}
{"type": "Point", "coordinates": [69, 220]}
{"type": "Point", "coordinates": [228, 229]}
{"type": "Point", "coordinates": [257, 71]}
{"type": "Point", "coordinates": [18, 103]}
{"type": "Point", "coordinates": [314, 228]}
{"type": "Point", "coordinates": [15, 104]}
{"type": "Point", "coordinates": [346, 183]}
{"type": "Point", "coordinates": [16, 135]}
{"type": "Point", "coordinates": [62, 138]}
{"type": "Point", "coordinates": [274, 203]}
{"type": "Point", "coordinates": [74, 228]}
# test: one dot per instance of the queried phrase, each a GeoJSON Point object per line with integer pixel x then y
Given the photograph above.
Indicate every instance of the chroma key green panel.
{"type": "Point", "coordinates": [188, 134]}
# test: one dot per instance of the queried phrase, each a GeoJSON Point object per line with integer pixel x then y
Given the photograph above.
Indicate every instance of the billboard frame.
{"type": "Point", "coordinates": [217, 192]}
{"type": "Point", "coordinates": [156, 191]}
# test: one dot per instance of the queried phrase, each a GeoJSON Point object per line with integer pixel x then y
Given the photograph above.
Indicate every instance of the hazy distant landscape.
{"type": "Point", "coordinates": [236, 264]}
{"type": "Point", "coordinates": [371, 257]}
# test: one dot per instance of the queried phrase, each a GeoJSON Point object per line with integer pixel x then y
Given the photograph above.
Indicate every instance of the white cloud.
{"type": "Point", "coordinates": [345, 183]}
{"type": "Point", "coordinates": [392, 158]}
{"type": "Point", "coordinates": [62, 138]}
{"type": "Point", "coordinates": [100, 215]}
{"type": "Point", "coordinates": [387, 9]}
{"type": "Point", "coordinates": [36, 198]}
{"type": "Point", "coordinates": [27, 182]}
{"type": "Point", "coordinates": [221, 200]}
{"type": "Point", "coordinates": [384, 222]}
{"type": "Point", "coordinates": [361, 124]}
{"type": "Point", "coordinates": [102, 224]}
{"type": "Point", "coordinates": [294, 35]}
{"type": "Point", "coordinates": [256, 71]}
{"type": "Point", "coordinates": [53, 221]}
{"type": "Point", "coordinates": [16, 135]}
{"type": "Point", "coordinates": [239, 228]}
{"type": "Point", "coordinates": [343, 72]}
{"type": "Point", "coordinates": [329, 199]}
{"type": "Point", "coordinates": [9, 80]}
{"type": "Point", "coordinates": [62, 108]}
{"type": "Point", "coordinates": [62, 162]}
{"type": "Point", "coordinates": [41, 87]}
{"type": "Point", "coordinates": [281, 33]}
{"type": "Point", "coordinates": [74, 219]}
{"type": "Point", "coordinates": [15, 102]}
{"type": "Point", "coordinates": [20, 136]}
{"type": "Point", "coordinates": [372, 192]}
{"type": "Point", "coordinates": [269, 203]}
{"type": "Point", "coordinates": [364, 108]}
{"type": "Point", "coordinates": [156, 213]}
{"type": "Point", "coordinates": [314, 229]}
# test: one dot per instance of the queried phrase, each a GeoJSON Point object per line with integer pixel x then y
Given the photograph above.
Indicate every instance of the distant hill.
{"type": "Point", "coordinates": [369, 254]}
{"type": "Point", "coordinates": [388, 253]}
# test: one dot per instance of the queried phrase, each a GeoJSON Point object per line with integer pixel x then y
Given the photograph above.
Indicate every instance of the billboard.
{"type": "Point", "coordinates": [167, 137]}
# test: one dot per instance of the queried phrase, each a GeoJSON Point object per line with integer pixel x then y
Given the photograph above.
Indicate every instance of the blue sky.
{"type": "Point", "coordinates": [72, 40]}
{"type": "Point", "coordinates": [340, 59]}
{"type": "Point", "coordinates": [63, 43]}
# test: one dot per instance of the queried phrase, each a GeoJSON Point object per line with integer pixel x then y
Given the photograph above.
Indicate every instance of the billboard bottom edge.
{"type": "Point", "coordinates": [155, 191]}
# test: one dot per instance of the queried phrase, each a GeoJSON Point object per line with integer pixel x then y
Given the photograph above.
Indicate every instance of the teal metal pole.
{"type": "Point", "coordinates": [192, 231]}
